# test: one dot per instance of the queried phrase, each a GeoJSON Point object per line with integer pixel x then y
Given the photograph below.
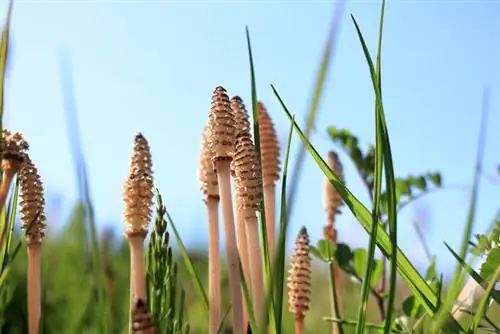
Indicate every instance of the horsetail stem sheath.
{"type": "Point", "coordinates": [141, 319]}
{"type": "Point", "coordinates": [332, 203]}
{"type": "Point", "coordinates": [138, 200]}
{"type": "Point", "coordinates": [222, 129]}
{"type": "Point", "coordinates": [33, 222]}
{"type": "Point", "coordinates": [299, 280]}
{"type": "Point", "coordinates": [242, 125]}
{"type": "Point", "coordinates": [269, 152]}
{"type": "Point", "coordinates": [210, 193]}
{"type": "Point", "coordinates": [249, 182]}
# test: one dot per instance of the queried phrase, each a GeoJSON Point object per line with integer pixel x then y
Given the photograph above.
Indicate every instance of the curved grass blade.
{"type": "Point", "coordinates": [385, 150]}
{"type": "Point", "coordinates": [198, 287]}
{"type": "Point", "coordinates": [415, 281]}
{"type": "Point", "coordinates": [482, 304]}
{"type": "Point", "coordinates": [220, 330]}
{"type": "Point", "coordinates": [368, 325]}
{"type": "Point", "coordinates": [312, 113]}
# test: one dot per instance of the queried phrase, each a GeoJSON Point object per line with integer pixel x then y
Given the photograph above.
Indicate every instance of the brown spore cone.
{"type": "Point", "coordinates": [32, 204]}
{"type": "Point", "coordinates": [248, 177]}
{"type": "Point", "coordinates": [222, 126]}
{"type": "Point", "coordinates": [299, 276]}
{"type": "Point", "coordinates": [269, 147]}
{"type": "Point", "coordinates": [138, 187]}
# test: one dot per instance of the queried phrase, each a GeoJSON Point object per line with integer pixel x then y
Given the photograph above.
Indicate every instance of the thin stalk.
{"type": "Point", "coordinates": [334, 280]}
{"type": "Point", "coordinates": [223, 175]}
{"type": "Point", "coordinates": [9, 171]}
{"type": "Point", "coordinates": [34, 287]}
{"type": "Point", "coordinates": [299, 324]}
{"type": "Point", "coordinates": [137, 272]}
{"type": "Point", "coordinates": [270, 211]}
{"type": "Point", "coordinates": [214, 264]}
{"type": "Point", "coordinates": [252, 228]}
{"type": "Point", "coordinates": [243, 251]}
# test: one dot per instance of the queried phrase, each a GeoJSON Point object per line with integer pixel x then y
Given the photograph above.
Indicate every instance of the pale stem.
{"type": "Point", "coordinates": [252, 229]}
{"type": "Point", "coordinates": [231, 248]}
{"type": "Point", "coordinates": [137, 267]}
{"type": "Point", "coordinates": [270, 206]}
{"type": "Point", "coordinates": [243, 250]}
{"type": "Point", "coordinates": [336, 277]}
{"type": "Point", "coordinates": [469, 296]}
{"type": "Point", "coordinates": [299, 324]}
{"type": "Point", "coordinates": [34, 288]}
{"type": "Point", "coordinates": [214, 264]}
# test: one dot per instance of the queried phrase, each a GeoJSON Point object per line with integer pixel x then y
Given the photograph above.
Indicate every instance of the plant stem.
{"type": "Point", "coordinates": [270, 207]}
{"type": "Point", "coordinates": [223, 176]}
{"type": "Point", "coordinates": [337, 327]}
{"type": "Point", "coordinates": [34, 288]}
{"type": "Point", "coordinates": [214, 264]}
{"type": "Point", "coordinates": [137, 273]}
{"type": "Point", "coordinates": [299, 324]}
{"type": "Point", "coordinates": [252, 228]}
{"type": "Point", "coordinates": [10, 168]}
{"type": "Point", "coordinates": [243, 250]}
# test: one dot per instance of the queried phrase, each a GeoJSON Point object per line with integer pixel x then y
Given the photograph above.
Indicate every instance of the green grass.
{"type": "Point", "coordinates": [87, 283]}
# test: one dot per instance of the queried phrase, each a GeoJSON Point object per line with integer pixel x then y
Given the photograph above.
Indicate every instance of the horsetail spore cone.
{"type": "Point", "coordinates": [299, 280]}
{"type": "Point", "coordinates": [33, 222]}
{"type": "Point", "coordinates": [242, 125]}
{"type": "Point", "coordinates": [269, 153]}
{"type": "Point", "coordinates": [332, 203]}
{"type": "Point", "coordinates": [138, 200]}
{"type": "Point", "coordinates": [249, 182]}
{"type": "Point", "coordinates": [222, 129]}
{"type": "Point", "coordinates": [141, 319]}
{"type": "Point", "coordinates": [210, 191]}
{"type": "Point", "coordinates": [14, 149]}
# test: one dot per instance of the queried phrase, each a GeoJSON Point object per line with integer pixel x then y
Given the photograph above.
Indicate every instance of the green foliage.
{"type": "Point", "coordinates": [167, 299]}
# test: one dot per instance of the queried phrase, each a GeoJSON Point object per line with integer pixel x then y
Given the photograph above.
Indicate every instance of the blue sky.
{"type": "Point", "coordinates": [151, 66]}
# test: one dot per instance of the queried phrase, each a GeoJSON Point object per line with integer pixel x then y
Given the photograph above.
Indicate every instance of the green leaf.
{"type": "Point", "coordinates": [359, 261]}
{"type": "Point", "coordinates": [411, 307]}
{"type": "Point", "coordinates": [403, 187]}
{"type": "Point", "coordinates": [490, 265]}
{"type": "Point", "coordinates": [316, 253]}
{"type": "Point", "coordinates": [343, 255]}
{"type": "Point", "coordinates": [420, 183]}
{"type": "Point", "coordinates": [327, 250]}
{"type": "Point", "coordinates": [435, 178]}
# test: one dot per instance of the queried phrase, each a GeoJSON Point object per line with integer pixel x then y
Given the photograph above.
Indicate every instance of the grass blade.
{"type": "Point", "coordinates": [482, 304]}
{"type": "Point", "coordinates": [415, 281]}
{"type": "Point", "coordinates": [280, 257]}
{"type": "Point", "coordinates": [312, 113]}
{"type": "Point", "coordinates": [198, 287]}
{"type": "Point", "coordinates": [458, 276]}
{"type": "Point", "coordinates": [268, 285]}
{"type": "Point", "coordinates": [4, 57]}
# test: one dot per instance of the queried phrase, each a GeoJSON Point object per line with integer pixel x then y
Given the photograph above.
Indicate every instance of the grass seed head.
{"type": "Point", "coordinates": [14, 148]}
{"type": "Point", "coordinates": [222, 126]}
{"type": "Point", "coordinates": [269, 147]}
{"type": "Point", "coordinates": [206, 174]}
{"type": "Point", "coordinates": [299, 278]}
{"type": "Point", "coordinates": [138, 187]}
{"type": "Point", "coordinates": [141, 319]}
{"type": "Point", "coordinates": [332, 199]}
{"type": "Point", "coordinates": [248, 175]}
{"type": "Point", "coordinates": [32, 202]}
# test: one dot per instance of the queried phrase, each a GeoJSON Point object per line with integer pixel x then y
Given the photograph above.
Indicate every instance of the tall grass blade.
{"type": "Point", "coordinates": [312, 113]}
{"type": "Point", "coordinates": [4, 57]}
{"type": "Point", "coordinates": [415, 281]}
{"type": "Point", "coordinates": [69, 102]}
{"type": "Point", "coordinates": [458, 276]}
{"type": "Point", "coordinates": [262, 217]}
{"type": "Point", "coordinates": [198, 287]}
{"type": "Point", "coordinates": [280, 256]}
